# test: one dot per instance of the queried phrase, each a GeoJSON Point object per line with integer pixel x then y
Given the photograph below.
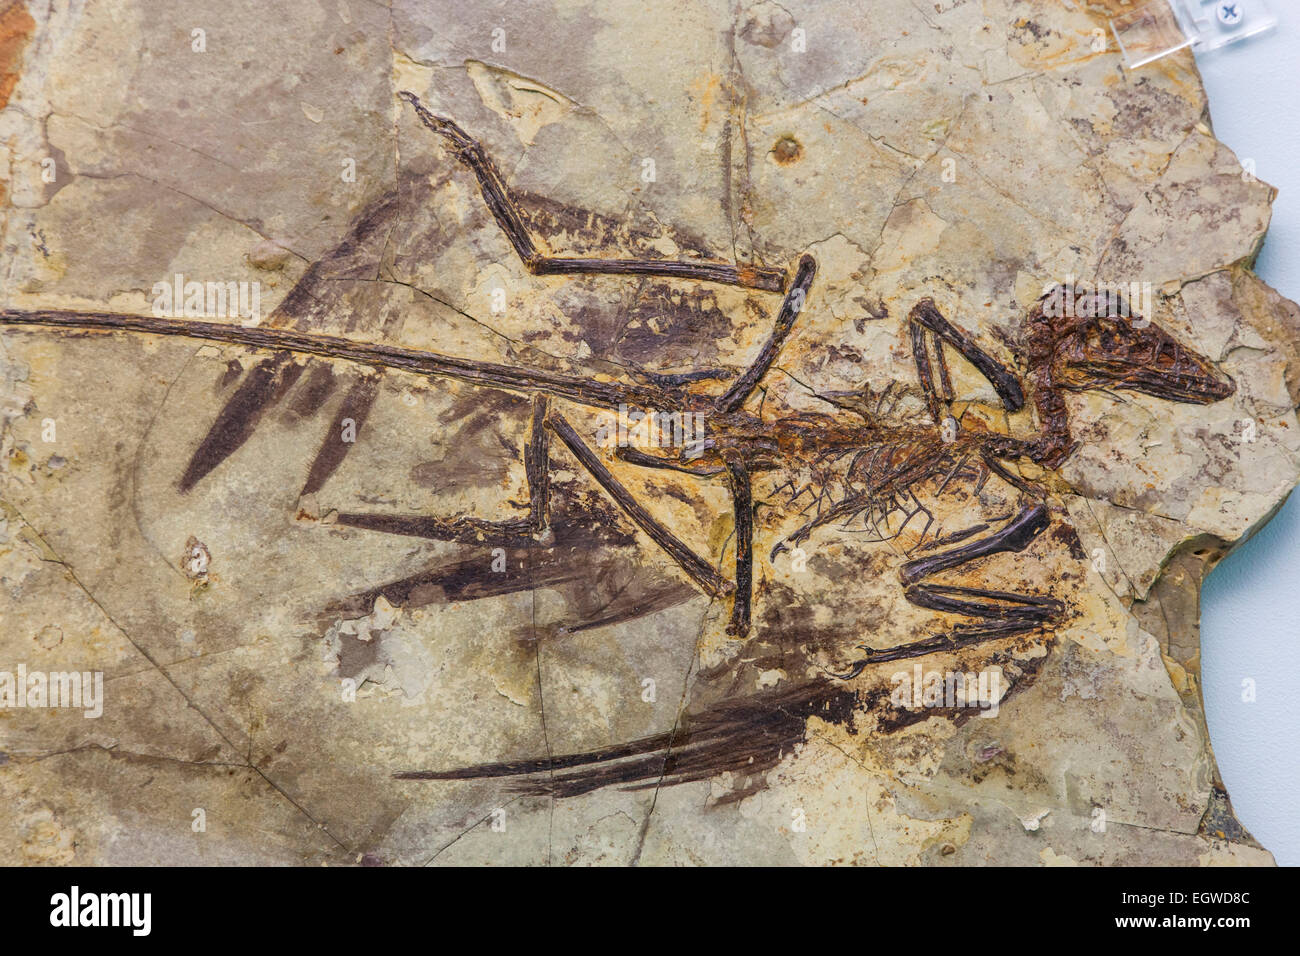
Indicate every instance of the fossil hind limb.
{"type": "Point", "coordinates": [505, 209]}
{"type": "Point", "coordinates": [699, 570]}
{"type": "Point", "coordinates": [1000, 614]}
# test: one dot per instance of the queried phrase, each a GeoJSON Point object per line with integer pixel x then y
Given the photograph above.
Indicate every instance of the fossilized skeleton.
{"type": "Point", "coordinates": [863, 470]}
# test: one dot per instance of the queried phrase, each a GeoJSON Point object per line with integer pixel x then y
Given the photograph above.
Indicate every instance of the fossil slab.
{"type": "Point", "coordinates": [604, 436]}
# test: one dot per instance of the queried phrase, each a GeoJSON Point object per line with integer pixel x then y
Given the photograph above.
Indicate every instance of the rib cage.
{"type": "Point", "coordinates": [865, 489]}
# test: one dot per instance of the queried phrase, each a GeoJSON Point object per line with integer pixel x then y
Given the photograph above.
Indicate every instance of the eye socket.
{"type": "Point", "coordinates": [1094, 339]}
{"type": "Point", "coordinates": [1103, 336]}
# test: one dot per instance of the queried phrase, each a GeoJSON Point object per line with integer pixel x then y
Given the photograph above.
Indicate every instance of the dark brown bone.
{"type": "Point", "coordinates": [1059, 355]}
{"type": "Point", "coordinates": [742, 501]}
{"type": "Point", "coordinates": [506, 211]}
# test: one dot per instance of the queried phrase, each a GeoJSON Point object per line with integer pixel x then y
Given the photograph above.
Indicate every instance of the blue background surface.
{"type": "Point", "coordinates": [1250, 611]}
